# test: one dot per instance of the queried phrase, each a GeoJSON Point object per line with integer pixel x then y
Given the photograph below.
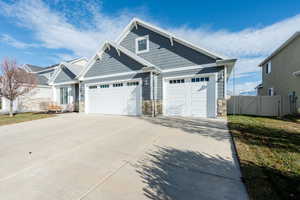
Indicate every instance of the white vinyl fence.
{"type": "Point", "coordinates": [260, 105]}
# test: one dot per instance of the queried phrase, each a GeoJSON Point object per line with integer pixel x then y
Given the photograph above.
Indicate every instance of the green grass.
{"type": "Point", "coordinates": [269, 151]}
{"type": "Point", "coordinates": [22, 117]}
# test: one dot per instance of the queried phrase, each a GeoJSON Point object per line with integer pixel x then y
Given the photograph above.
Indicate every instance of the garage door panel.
{"type": "Point", "coordinates": [191, 97]}
{"type": "Point", "coordinates": [120, 100]}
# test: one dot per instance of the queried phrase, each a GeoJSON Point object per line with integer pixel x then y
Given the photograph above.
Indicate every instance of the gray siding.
{"type": "Point", "coordinates": [281, 77]}
{"type": "Point", "coordinates": [162, 54]}
{"type": "Point", "coordinates": [112, 63]}
{"type": "Point", "coordinates": [219, 70]}
{"type": "Point", "coordinates": [46, 72]}
{"type": "Point", "coordinates": [64, 75]}
{"type": "Point", "coordinates": [144, 76]}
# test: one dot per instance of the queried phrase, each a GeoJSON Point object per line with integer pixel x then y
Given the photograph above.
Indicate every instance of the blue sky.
{"type": "Point", "coordinates": [46, 32]}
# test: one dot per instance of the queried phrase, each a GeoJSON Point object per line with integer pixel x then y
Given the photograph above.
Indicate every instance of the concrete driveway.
{"type": "Point", "coordinates": [92, 157]}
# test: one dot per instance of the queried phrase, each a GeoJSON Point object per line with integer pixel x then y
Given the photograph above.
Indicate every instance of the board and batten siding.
{"type": "Point", "coordinates": [161, 53]}
{"type": "Point", "coordinates": [64, 75]}
{"type": "Point", "coordinates": [145, 82]}
{"type": "Point", "coordinates": [112, 63]}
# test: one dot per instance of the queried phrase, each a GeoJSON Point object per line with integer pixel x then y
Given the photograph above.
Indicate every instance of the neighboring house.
{"type": "Point", "coordinates": [46, 90]}
{"type": "Point", "coordinates": [281, 71]}
{"type": "Point", "coordinates": [65, 84]}
{"type": "Point", "coordinates": [149, 70]}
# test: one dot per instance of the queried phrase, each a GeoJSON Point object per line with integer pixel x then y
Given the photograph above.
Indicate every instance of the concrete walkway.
{"type": "Point", "coordinates": [77, 156]}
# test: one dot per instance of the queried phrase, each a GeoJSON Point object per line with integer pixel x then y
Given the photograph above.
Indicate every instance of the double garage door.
{"type": "Point", "coordinates": [119, 98]}
{"type": "Point", "coordinates": [190, 97]}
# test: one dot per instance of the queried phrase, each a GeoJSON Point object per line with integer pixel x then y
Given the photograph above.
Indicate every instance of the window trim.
{"type": "Point", "coordinates": [147, 44]}
{"type": "Point", "coordinates": [269, 67]}
{"type": "Point", "coordinates": [271, 91]}
{"type": "Point", "coordinates": [62, 95]}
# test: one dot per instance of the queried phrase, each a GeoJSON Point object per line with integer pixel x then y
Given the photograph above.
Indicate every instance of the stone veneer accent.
{"type": "Point", "coordinates": [147, 107]}
{"type": "Point", "coordinates": [81, 106]}
{"type": "Point", "coordinates": [221, 107]}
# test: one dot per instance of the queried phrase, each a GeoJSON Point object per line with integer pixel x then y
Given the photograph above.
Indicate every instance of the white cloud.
{"type": "Point", "coordinates": [15, 43]}
{"type": "Point", "coordinates": [248, 42]}
{"type": "Point", "coordinates": [55, 30]}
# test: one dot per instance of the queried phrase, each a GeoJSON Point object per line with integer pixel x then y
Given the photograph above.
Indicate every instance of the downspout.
{"type": "Point", "coordinates": [152, 93]}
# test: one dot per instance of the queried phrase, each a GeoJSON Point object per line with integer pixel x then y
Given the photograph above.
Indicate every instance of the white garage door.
{"type": "Point", "coordinates": [194, 97]}
{"type": "Point", "coordinates": [120, 98]}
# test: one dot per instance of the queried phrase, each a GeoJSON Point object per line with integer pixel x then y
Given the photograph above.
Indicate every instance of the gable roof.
{"type": "Point", "coordinates": [33, 68]}
{"type": "Point", "coordinates": [41, 80]}
{"type": "Point", "coordinates": [71, 66]}
{"type": "Point", "coordinates": [281, 47]}
{"type": "Point", "coordinates": [119, 50]}
{"type": "Point", "coordinates": [135, 22]}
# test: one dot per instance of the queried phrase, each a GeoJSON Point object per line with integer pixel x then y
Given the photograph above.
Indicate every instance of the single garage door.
{"type": "Point", "coordinates": [190, 97]}
{"type": "Point", "coordinates": [120, 98]}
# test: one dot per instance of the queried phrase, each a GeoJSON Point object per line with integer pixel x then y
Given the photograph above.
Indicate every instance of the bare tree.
{"type": "Point", "coordinates": [14, 82]}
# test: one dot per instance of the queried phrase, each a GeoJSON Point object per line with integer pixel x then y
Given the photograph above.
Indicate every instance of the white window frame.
{"type": "Point", "coordinates": [61, 95]}
{"type": "Point", "coordinates": [269, 68]}
{"type": "Point", "coordinates": [146, 37]}
{"type": "Point", "coordinates": [270, 91]}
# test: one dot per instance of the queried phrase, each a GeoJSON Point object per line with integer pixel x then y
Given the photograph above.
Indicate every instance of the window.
{"type": "Point", "coordinates": [104, 86]}
{"type": "Point", "coordinates": [64, 96]}
{"type": "Point", "coordinates": [271, 91]}
{"type": "Point", "coordinates": [268, 67]}
{"type": "Point", "coordinates": [118, 85]}
{"type": "Point", "coordinates": [93, 87]}
{"type": "Point", "coordinates": [132, 83]}
{"type": "Point", "coordinates": [202, 79]}
{"type": "Point", "coordinates": [176, 81]}
{"type": "Point", "coordinates": [142, 44]}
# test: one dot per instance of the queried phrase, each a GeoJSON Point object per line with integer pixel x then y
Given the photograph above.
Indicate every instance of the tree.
{"type": "Point", "coordinates": [14, 82]}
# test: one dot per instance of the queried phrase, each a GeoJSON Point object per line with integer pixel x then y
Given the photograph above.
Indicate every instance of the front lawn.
{"type": "Point", "coordinates": [22, 117]}
{"type": "Point", "coordinates": [269, 152]}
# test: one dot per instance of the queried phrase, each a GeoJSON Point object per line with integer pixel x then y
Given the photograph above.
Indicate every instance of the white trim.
{"type": "Point", "coordinates": [76, 60]}
{"type": "Point", "coordinates": [56, 72]}
{"type": "Point", "coordinates": [112, 81]}
{"type": "Point", "coordinates": [111, 75]}
{"type": "Point", "coordinates": [190, 67]}
{"type": "Point", "coordinates": [268, 67]}
{"type": "Point", "coordinates": [43, 86]}
{"type": "Point", "coordinates": [65, 83]}
{"type": "Point", "coordinates": [137, 51]}
{"type": "Point", "coordinates": [166, 34]}
{"type": "Point", "coordinates": [190, 76]}
{"type": "Point", "coordinates": [28, 69]}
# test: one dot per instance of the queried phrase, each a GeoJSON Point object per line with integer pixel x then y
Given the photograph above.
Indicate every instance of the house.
{"type": "Point", "coordinates": [148, 70]}
{"type": "Point", "coordinates": [281, 71]}
{"type": "Point", "coordinates": [49, 81]}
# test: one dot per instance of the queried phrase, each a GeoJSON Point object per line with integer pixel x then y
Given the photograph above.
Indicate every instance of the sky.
{"type": "Point", "coordinates": [45, 32]}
